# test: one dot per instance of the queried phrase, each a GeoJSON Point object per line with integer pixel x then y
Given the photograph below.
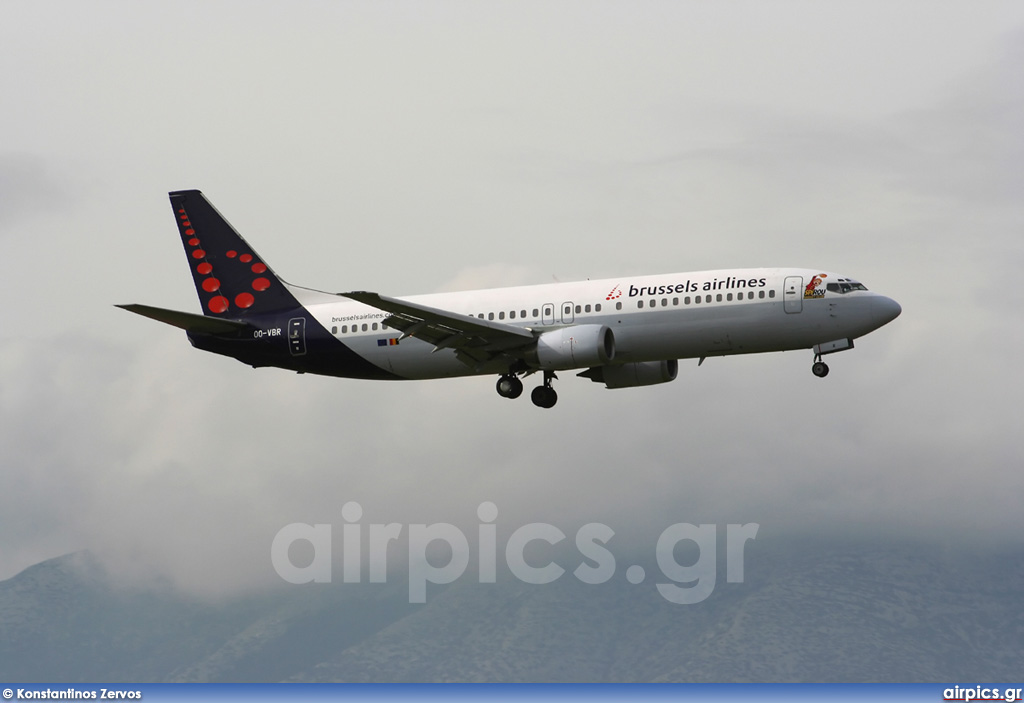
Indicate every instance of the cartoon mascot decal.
{"type": "Point", "coordinates": [812, 290]}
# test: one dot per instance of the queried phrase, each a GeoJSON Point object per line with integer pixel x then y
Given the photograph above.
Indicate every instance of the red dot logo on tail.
{"type": "Point", "coordinates": [218, 304]}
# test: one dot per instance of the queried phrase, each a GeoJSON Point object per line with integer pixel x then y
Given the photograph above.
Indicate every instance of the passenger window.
{"type": "Point", "coordinates": [334, 330]}
{"type": "Point", "coordinates": [536, 313]}
{"type": "Point", "coordinates": [675, 301]}
{"type": "Point", "coordinates": [344, 329]}
{"type": "Point", "coordinates": [707, 298]}
{"type": "Point", "coordinates": [374, 327]}
{"type": "Point", "coordinates": [696, 299]}
{"type": "Point", "coordinates": [728, 296]}
{"type": "Point", "coordinates": [597, 308]}
{"type": "Point", "coordinates": [771, 293]}
{"type": "Point", "coordinates": [750, 295]}
{"type": "Point", "coordinates": [618, 306]}
{"type": "Point", "coordinates": [653, 303]}
{"type": "Point", "coordinates": [522, 314]}
{"type": "Point", "coordinates": [490, 316]}
{"type": "Point", "coordinates": [364, 327]}
{"type": "Point", "coordinates": [760, 294]}
{"type": "Point", "coordinates": [718, 298]}
{"type": "Point", "coordinates": [686, 300]}
{"type": "Point", "coordinates": [512, 315]}
{"type": "Point", "coordinates": [639, 303]}
{"type": "Point", "coordinates": [578, 309]}
{"type": "Point", "coordinates": [501, 315]}
{"type": "Point", "coordinates": [586, 309]}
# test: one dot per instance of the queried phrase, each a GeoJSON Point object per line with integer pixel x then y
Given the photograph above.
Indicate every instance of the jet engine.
{"type": "Point", "coordinates": [646, 373]}
{"type": "Point", "coordinates": [573, 347]}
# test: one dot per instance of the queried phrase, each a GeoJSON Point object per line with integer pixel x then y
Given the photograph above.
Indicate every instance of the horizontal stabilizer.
{"type": "Point", "coordinates": [186, 320]}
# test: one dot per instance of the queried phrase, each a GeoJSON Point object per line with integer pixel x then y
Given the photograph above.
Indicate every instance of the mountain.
{"type": "Point", "coordinates": [66, 620]}
{"type": "Point", "coordinates": [812, 612]}
{"type": "Point", "coordinates": [819, 613]}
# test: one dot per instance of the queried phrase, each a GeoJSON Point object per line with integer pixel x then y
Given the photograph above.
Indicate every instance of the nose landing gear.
{"type": "Point", "coordinates": [819, 368]}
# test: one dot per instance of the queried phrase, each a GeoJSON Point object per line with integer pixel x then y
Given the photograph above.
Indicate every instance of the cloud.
{"type": "Point", "coordinates": [462, 170]}
{"type": "Point", "coordinates": [29, 187]}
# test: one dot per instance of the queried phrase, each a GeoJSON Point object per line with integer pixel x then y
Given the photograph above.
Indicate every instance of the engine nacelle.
{"type": "Point", "coordinates": [646, 373]}
{"type": "Point", "coordinates": [573, 347]}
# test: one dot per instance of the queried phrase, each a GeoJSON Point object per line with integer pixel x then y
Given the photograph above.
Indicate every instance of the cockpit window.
{"type": "Point", "coordinates": [845, 285]}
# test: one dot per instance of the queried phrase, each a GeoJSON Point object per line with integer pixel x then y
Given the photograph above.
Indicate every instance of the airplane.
{"type": "Point", "coordinates": [622, 332]}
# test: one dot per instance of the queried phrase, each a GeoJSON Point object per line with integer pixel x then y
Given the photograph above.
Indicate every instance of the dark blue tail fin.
{"type": "Point", "coordinates": [231, 279]}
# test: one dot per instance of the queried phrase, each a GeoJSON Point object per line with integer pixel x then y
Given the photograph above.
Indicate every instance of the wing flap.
{"type": "Point", "coordinates": [475, 341]}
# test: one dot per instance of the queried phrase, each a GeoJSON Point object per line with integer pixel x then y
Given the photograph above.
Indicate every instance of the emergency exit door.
{"type": "Point", "coordinates": [792, 294]}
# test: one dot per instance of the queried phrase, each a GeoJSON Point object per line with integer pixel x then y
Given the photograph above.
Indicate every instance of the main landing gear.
{"type": "Point", "coordinates": [509, 386]}
{"type": "Point", "coordinates": [543, 396]}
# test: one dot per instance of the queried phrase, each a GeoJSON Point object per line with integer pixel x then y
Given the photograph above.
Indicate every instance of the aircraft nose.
{"type": "Point", "coordinates": [885, 309]}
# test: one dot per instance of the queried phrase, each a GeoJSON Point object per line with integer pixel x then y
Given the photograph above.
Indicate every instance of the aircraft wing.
{"type": "Point", "coordinates": [475, 341]}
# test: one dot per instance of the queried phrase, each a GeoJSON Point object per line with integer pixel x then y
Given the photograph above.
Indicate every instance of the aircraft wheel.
{"type": "Point", "coordinates": [509, 387]}
{"type": "Point", "coordinates": [544, 397]}
{"type": "Point", "coordinates": [820, 369]}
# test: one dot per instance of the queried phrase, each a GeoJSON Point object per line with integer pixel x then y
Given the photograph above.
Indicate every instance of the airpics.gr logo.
{"type": "Point", "coordinates": [684, 583]}
{"type": "Point", "coordinates": [812, 290]}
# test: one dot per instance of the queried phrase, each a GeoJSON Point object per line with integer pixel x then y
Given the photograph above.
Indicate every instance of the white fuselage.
{"type": "Point", "coordinates": [670, 316]}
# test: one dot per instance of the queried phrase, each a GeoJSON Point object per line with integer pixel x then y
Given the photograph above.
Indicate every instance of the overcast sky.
{"type": "Point", "coordinates": [416, 147]}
